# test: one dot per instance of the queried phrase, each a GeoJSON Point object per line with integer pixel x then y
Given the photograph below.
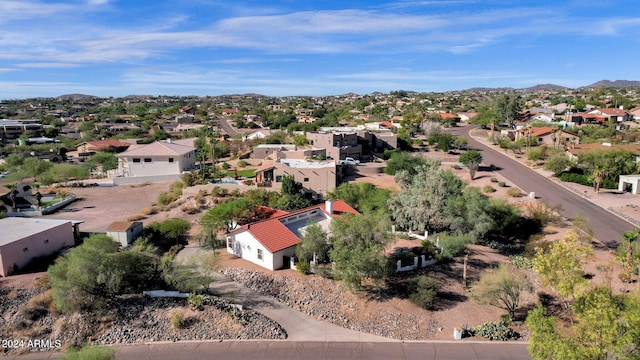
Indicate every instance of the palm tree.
{"type": "Point", "coordinates": [598, 176]}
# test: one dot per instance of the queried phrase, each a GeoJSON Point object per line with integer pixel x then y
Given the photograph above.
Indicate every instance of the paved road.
{"type": "Point", "coordinates": [223, 122]}
{"type": "Point", "coordinates": [608, 228]}
{"type": "Point", "coordinates": [284, 350]}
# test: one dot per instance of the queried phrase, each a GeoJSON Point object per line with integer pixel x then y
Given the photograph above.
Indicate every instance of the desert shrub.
{"type": "Point", "coordinates": [219, 192]}
{"type": "Point", "coordinates": [149, 210]}
{"type": "Point", "coordinates": [423, 291]}
{"type": "Point", "coordinates": [493, 330]}
{"type": "Point", "coordinates": [502, 184]}
{"type": "Point", "coordinates": [454, 245]}
{"type": "Point", "coordinates": [456, 167]}
{"type": "Point", "coordinates": [493, 180]}
{"type": "Point", "coordinates": [488, 189]}
{"type": "Point", "coordinates": [521, 261]}
{"type": "Point", "coordinates": [189, 179]}
{"type": "Point", "coordinates": [537, 153]}
{"type": "Point", "coordinates": [514, 192]}
{"type": "Point", "coordinates": [196, 301]}
{"type": "Point", "coordinates": [303, 266]}
{"type": "Point", "coordinates": [38, 306]}
{"type": "Point", "coordinates": [190, 209]}
{"type": "Point", "coordinates": [576, 178]}
{"type": "Point", "coordinates": [248, 182]}
{"type": "Point", "coordinates": [165, 198]}
{"type": "Point", "coordinates": [242, 163]}
{"type": "Point", "coordinates": [541, 212]}
{"type": "Point", "coordinates": [136, 217]}
{"type": "Point", "coordinates": [90, 353]}
{"type": "Point", "coordinates": [178, 319]}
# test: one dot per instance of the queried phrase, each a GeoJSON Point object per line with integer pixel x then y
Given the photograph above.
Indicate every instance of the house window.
{"type": "Point", "coordinates": [259, 254]}
{"type": "Point", "coordinates": [25, 249]}
{"type": "Point", "coordinates": [136, 160]}
{"type": "Point", "coordinates": [46, 241]}
{"type": "Point", "coordinates": [278, 178]}
{"type": "Point", "coordinates": [170, 159]}
{"type": "Point", "coordinates": [147, 159]}
{"type": "Point", "coordinates": [306, 179]}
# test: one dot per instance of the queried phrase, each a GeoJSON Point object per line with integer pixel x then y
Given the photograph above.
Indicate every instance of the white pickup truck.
{"type": "Point", "coordinates": [349, 161]}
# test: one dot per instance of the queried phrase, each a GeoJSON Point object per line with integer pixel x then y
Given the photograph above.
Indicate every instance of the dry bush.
{"type": "Point", "coordinates": [136, 217]}
{"type": "Point", "coordinates": [514, 192]}
{"type": "Point", "coordinates": [190, 209]}
{"type": "Point", "coordinates": [38, 306]}
{"type": "Point", "coordinates": [178, 319]}
{"type": "Point", "coordinates": [42, 281]}
{"type": "Point", "coordinates": [541, 212]}
{"type": "Point", "coordinates": [150, 210]}
{"type": "Point", "coordinates": [12, 294]}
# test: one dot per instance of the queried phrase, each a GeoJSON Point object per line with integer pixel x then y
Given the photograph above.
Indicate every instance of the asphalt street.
{"type": "Point", "coordinates": [608, 228]}
{"type": "Point", "coordinates": [285, 350]}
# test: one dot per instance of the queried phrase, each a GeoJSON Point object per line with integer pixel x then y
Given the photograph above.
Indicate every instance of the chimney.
{"type": "Point", "coordinates": [328, 207]}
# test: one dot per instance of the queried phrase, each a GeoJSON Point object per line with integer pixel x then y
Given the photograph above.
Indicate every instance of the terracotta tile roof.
{"type": "Point", "coordinates": [158, 149]}
{"type": "Point", "coordinates": [275, 236]}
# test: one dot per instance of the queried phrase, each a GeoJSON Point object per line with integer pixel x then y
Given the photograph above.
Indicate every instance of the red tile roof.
{"type": "Point", "coordinates": [275, 236]}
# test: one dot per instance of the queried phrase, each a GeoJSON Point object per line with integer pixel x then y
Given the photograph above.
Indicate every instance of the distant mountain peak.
{"type": "Point", "coordinates": [614, 84]}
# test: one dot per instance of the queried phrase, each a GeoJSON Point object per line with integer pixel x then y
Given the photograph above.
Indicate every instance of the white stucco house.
{"type": "Point", "coordinates": [271, 243]}
{"type": "Point", "coordinates": [161, 161]}
{"type": "Point", "coordinates": [629, 183]}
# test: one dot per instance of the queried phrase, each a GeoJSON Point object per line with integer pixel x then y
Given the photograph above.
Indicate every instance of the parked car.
{"type": "Point", "coordinates": [349, 161]}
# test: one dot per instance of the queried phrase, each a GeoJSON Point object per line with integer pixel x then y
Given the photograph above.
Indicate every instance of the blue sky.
{"type": "Point", "coordinates": [213, 47]}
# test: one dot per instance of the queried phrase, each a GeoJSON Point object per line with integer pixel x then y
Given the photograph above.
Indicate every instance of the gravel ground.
{"type": "Point", "coordinates": [136, 319]}
{"type": "Point", "coordinates": [322, 299]}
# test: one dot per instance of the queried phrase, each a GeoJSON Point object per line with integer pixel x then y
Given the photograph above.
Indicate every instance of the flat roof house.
{"type": "Point", "coordinates": [271, 243]}
{"type": "Point", "coordinates": [317, 177]}
{"type": "Point", "coordinates": [23, 239]}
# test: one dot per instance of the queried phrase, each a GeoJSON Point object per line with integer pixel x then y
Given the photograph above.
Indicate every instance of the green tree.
{"type": "Point", "coordinates": [560, 265]}
{"type": "Point", "coordinates": [167, 233]}
{"type": "Point", "coordinates": [366, 198]}
{"type": "Point", "coordinates": [92, 274]}
{"type": "Point", "coordinates": [627, 254]}
{"type": "Point", "coordinates": [358, 248]}
{"type": "Point", "coordinates": [557, 163]}
{"type": "Point", "coordinates": [423, 197]}
{"type": "Point", "coordinates": [606, 328]}
{"type": "Point", "coordinates": [107, 160]}
{"type": "Point", "coordinates": [34, 167]}
{"type": "Point", "coordinates": [472, 160]}
{"type": "Point", "coordinates": [403, 161]}
{"type": "Point", "coordinates": [507, 108]}
{"type": "Point", "coordinates": [314, 242]}
{"type": "Point", "coordinates": [228, 215]}
{"type": "Point", "coordinates": [502, 287]}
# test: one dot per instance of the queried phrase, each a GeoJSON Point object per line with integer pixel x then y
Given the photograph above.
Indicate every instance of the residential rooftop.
{"type": "Point", "coordinates": [306, 164]}
{"type": "Point", "coordinates": [16, 228]}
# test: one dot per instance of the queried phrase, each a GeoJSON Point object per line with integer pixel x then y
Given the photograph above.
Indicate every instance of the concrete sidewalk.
{"type": "Point", "coordinates": [609, 199]}
{"type": "Point", "coordinates": [299, 326]}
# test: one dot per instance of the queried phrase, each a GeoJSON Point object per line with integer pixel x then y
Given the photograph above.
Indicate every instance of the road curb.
{"type": "Point", "coordinates": [560, 183]}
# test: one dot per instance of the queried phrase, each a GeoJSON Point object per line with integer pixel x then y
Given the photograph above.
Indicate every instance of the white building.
{"type": "Point", "coordinates": [165, 160]}
{"type": "Point", "coordinates": [23, 239]}
{"type": "Point", "coordinates": [271, 243]}
{"type": "Point", "coordinates": [125, 232]}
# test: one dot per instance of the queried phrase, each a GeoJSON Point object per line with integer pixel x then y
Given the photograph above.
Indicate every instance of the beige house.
{"type": "Point", "coordinates": [24, 239]}
{"type": "Point", "coordinates": [354, 142]}
{"type": "Point", "coordinates": [317, 177]}
{"type": "Point", "coordinates": [163, 160]}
